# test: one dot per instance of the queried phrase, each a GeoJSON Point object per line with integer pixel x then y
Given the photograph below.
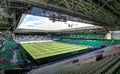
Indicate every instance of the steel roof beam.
{"type": "Point", "coordinates": [68, 11]}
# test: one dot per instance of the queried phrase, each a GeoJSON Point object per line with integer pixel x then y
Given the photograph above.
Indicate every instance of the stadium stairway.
{"type": "Point", "coordinates": [19, 57]}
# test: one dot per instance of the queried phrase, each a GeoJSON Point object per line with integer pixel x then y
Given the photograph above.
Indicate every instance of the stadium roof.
{"type": "Point", "coordinates": [101, 12]}
{"type": "Point", "coordinates": [44, 24]}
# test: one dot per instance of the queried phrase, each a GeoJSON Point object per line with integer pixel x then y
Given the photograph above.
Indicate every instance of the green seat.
{"type": "Point", "coordinates": [94, 43]}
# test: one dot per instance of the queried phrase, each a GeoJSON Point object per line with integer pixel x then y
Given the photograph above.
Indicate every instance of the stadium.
{"type": "Point", "coordinates": [59, 36]}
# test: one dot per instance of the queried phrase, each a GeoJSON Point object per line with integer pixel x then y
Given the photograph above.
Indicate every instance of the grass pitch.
{"type": "Point", "coordinates": [47, 49]}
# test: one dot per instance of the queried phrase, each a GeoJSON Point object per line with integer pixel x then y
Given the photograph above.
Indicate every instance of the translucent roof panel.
{"type": "Point", "coordinates": [44, 23]}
